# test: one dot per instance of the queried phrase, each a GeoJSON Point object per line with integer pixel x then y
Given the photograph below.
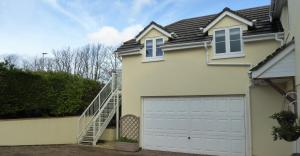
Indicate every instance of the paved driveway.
{"type": "Point", "coordinates": [75, 150]}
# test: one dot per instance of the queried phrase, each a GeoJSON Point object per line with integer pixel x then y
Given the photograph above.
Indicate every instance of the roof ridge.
{"type": "Point", "coordinates": [226, 8]}
{"type": "Point", "coordinates": [257, 7]}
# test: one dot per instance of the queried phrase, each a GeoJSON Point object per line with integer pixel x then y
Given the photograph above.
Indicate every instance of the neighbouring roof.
{"type": "Point", "coordinates": [188, 30]}
{"type": "Point", "coordinates": [276, 7]}
{"type": "Point", "coordinates": [271, 56]}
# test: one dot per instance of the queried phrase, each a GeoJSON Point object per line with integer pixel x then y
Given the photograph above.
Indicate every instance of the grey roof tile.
{"type": "Point", "coordinates": [188, 30]}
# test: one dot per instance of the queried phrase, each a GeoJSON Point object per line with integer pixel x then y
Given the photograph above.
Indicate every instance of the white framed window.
{"type": "Point", "coordinates": [228, 42]}
{"type": "Point", "coordinates": [153, 49]}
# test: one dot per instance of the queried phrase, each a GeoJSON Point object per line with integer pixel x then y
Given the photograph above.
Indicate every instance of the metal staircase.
{"type": "Point", "coordinates": [100, 112]}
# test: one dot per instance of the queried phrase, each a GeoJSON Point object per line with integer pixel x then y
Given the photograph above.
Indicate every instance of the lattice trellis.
{"type": "Point", "coordinates": [130, 127]}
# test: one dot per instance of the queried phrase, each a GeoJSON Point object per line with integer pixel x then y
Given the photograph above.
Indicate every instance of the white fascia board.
{"type": "Point", "coordinates": [260, 37]}
{"type": "Point", "coordinates": [268, 65]}
{"type": "Point", "coordinates": [227, 13]}
{"type": "Point", "coordinates": [182, 46]}
{"type": "Point", "coordinates": [153, 27]}
{"type": "Point", "coordinates": [129, 52]}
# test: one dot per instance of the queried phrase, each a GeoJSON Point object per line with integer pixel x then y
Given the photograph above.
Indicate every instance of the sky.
{"type": "Point", "coordinates": [30, 27]}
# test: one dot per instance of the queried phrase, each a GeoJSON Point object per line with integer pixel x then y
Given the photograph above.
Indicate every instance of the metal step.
{"type": "Point", "coordinates": [100, 120]}
{"type": "Point", "coordinates": [86, 142]}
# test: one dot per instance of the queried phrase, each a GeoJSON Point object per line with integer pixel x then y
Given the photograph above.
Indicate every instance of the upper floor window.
{"type": "Point", "coordinates": [153, 48]}
{"type": "Point", "coordinates": [228, 41]}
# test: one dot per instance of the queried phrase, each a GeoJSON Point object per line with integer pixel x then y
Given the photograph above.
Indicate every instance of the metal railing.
{"type": "Point", "coordinates": [87, 117]}
{"type": "Point", "coordinates": [104, 116]}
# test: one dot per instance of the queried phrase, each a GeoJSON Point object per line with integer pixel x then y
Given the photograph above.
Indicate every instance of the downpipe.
{"type": "Point", "coordinates": [277, 38]}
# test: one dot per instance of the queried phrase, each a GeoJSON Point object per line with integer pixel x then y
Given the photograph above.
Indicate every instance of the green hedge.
{"type": "Point", "coordinates": [43, 94]}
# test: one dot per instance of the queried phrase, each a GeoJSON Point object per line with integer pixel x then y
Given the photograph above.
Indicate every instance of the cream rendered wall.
{"type": "Point", "coordinates": [185, 73]}
{"type": "Point", "coordinates": [42, 131]}
{"type": "Point", "coordinates": [265, 102]}
{"type": "Point", "coordinates": [38, 131]}
{"type": "Point", "coordinates": [254, 52]}
{"type": "Point", "coordinates": [227, 22]}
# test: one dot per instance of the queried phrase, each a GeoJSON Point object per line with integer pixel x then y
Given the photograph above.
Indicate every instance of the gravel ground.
{"type": "Point", "coordinates": [76, 150]}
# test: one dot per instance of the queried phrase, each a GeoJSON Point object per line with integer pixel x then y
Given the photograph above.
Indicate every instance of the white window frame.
{"type": "Point", "coordinates": [154, 57]}
{"type": "Point", "coordinates": [228, 53]}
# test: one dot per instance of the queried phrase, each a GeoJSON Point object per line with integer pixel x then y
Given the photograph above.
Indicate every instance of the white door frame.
{"type": "Point", "coordinates": [247, 114]}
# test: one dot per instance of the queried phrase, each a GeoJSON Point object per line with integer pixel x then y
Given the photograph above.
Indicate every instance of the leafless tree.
{"type": "Point", "coordinates": [93, 61]}
{"type": "Point", "coordinates": [63, 59]}
{"type": "Point", "coordinates": [11, 59]}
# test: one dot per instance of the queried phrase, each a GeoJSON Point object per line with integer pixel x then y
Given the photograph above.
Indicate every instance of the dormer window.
{"type": "Point", "coordinates": [153, 48]}
{"type": "Point", "coordinates": [228, 42]}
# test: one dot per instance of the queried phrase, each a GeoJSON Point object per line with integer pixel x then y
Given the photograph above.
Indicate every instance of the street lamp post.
{"type": "Point", "coordinates": [44, 60]}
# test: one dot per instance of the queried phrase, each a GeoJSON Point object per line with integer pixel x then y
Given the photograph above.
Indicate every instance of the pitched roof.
{"type": "Point", "coordinates": [271, 56]}
{"type": "Point", "coordinates": [188, 30]}
{"type": "Point", "coordinates": [148, 26]}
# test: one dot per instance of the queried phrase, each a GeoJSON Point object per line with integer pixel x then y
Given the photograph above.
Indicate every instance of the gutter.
{"type": "Point", "coordinates": [129, 52]}
{"type": "Point", "coordinates": [248, 38]}
{"type": "Point", "coordinates": [180, 46]}
{"type": "Point", "coordinates": [172, 47]}
{"type": "Point", "coordinates": [279, 39]}
{"type": "Point", "coordinates": [269, 36]}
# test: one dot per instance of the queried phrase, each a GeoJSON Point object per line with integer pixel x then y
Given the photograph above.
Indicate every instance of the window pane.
{"type": "Point", "coordinates": [235, 34]}
{"type": "Point", "coordinates": [220, 36]}
{"type": "Point", "coordinates": [159, 52]}
{"type": "Point", "coordinates": [159, 43]}
{"type": "Point", "coordinates": [220, 47]}
{"type": "Point", "coordinates": [149, 48]}
{"type": "Point", "coordinates": [235, 46]}
{"type": "Point", "coordinates": [220, 41]}
{"type": "Point", "coordinates": [149, 43]}
{"type": "Point", "coordinates": [235, 40]}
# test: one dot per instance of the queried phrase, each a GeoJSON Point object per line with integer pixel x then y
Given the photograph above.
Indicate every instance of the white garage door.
{"type": "Point", "coordinates": [204, 125]}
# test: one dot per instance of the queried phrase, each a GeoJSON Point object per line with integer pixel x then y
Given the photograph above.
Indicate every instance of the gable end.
{"type": "Point", "coordinates": [223, 14]}
{"type": "Point", "coordinates": [151, 26]}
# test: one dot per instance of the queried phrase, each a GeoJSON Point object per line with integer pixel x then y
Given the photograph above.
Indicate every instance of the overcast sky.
{"type": "Point", "coordinates": [30, 27]}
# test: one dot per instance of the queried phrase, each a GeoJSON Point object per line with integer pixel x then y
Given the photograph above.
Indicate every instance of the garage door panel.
{"type": "Point", "coordinates": [238, 126]}
{"type": "Point", "coordinates": [174, 141]}
{"type": "Point", "coordinates": [237, 147]}
{"type": "Point", "coordinates": [168, 143]}
{"type": "Point", "coordinates": [216, 145]}
{"type": "Point", "coordinates": [215, 125]}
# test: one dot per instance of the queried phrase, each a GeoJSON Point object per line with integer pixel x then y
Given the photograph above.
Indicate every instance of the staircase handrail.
{"type": "Point", "coordinates": [100, 111]}
{"type": "Point", "coordinates": [96, 107]}
{"type": "Point", "coordinates": [83, 128]}
{"type": "Point", "coordinates": [108, 83]}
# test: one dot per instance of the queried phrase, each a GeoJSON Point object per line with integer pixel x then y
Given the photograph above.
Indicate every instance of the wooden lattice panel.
{"type": "Point", "coordinates": [130, 127]}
